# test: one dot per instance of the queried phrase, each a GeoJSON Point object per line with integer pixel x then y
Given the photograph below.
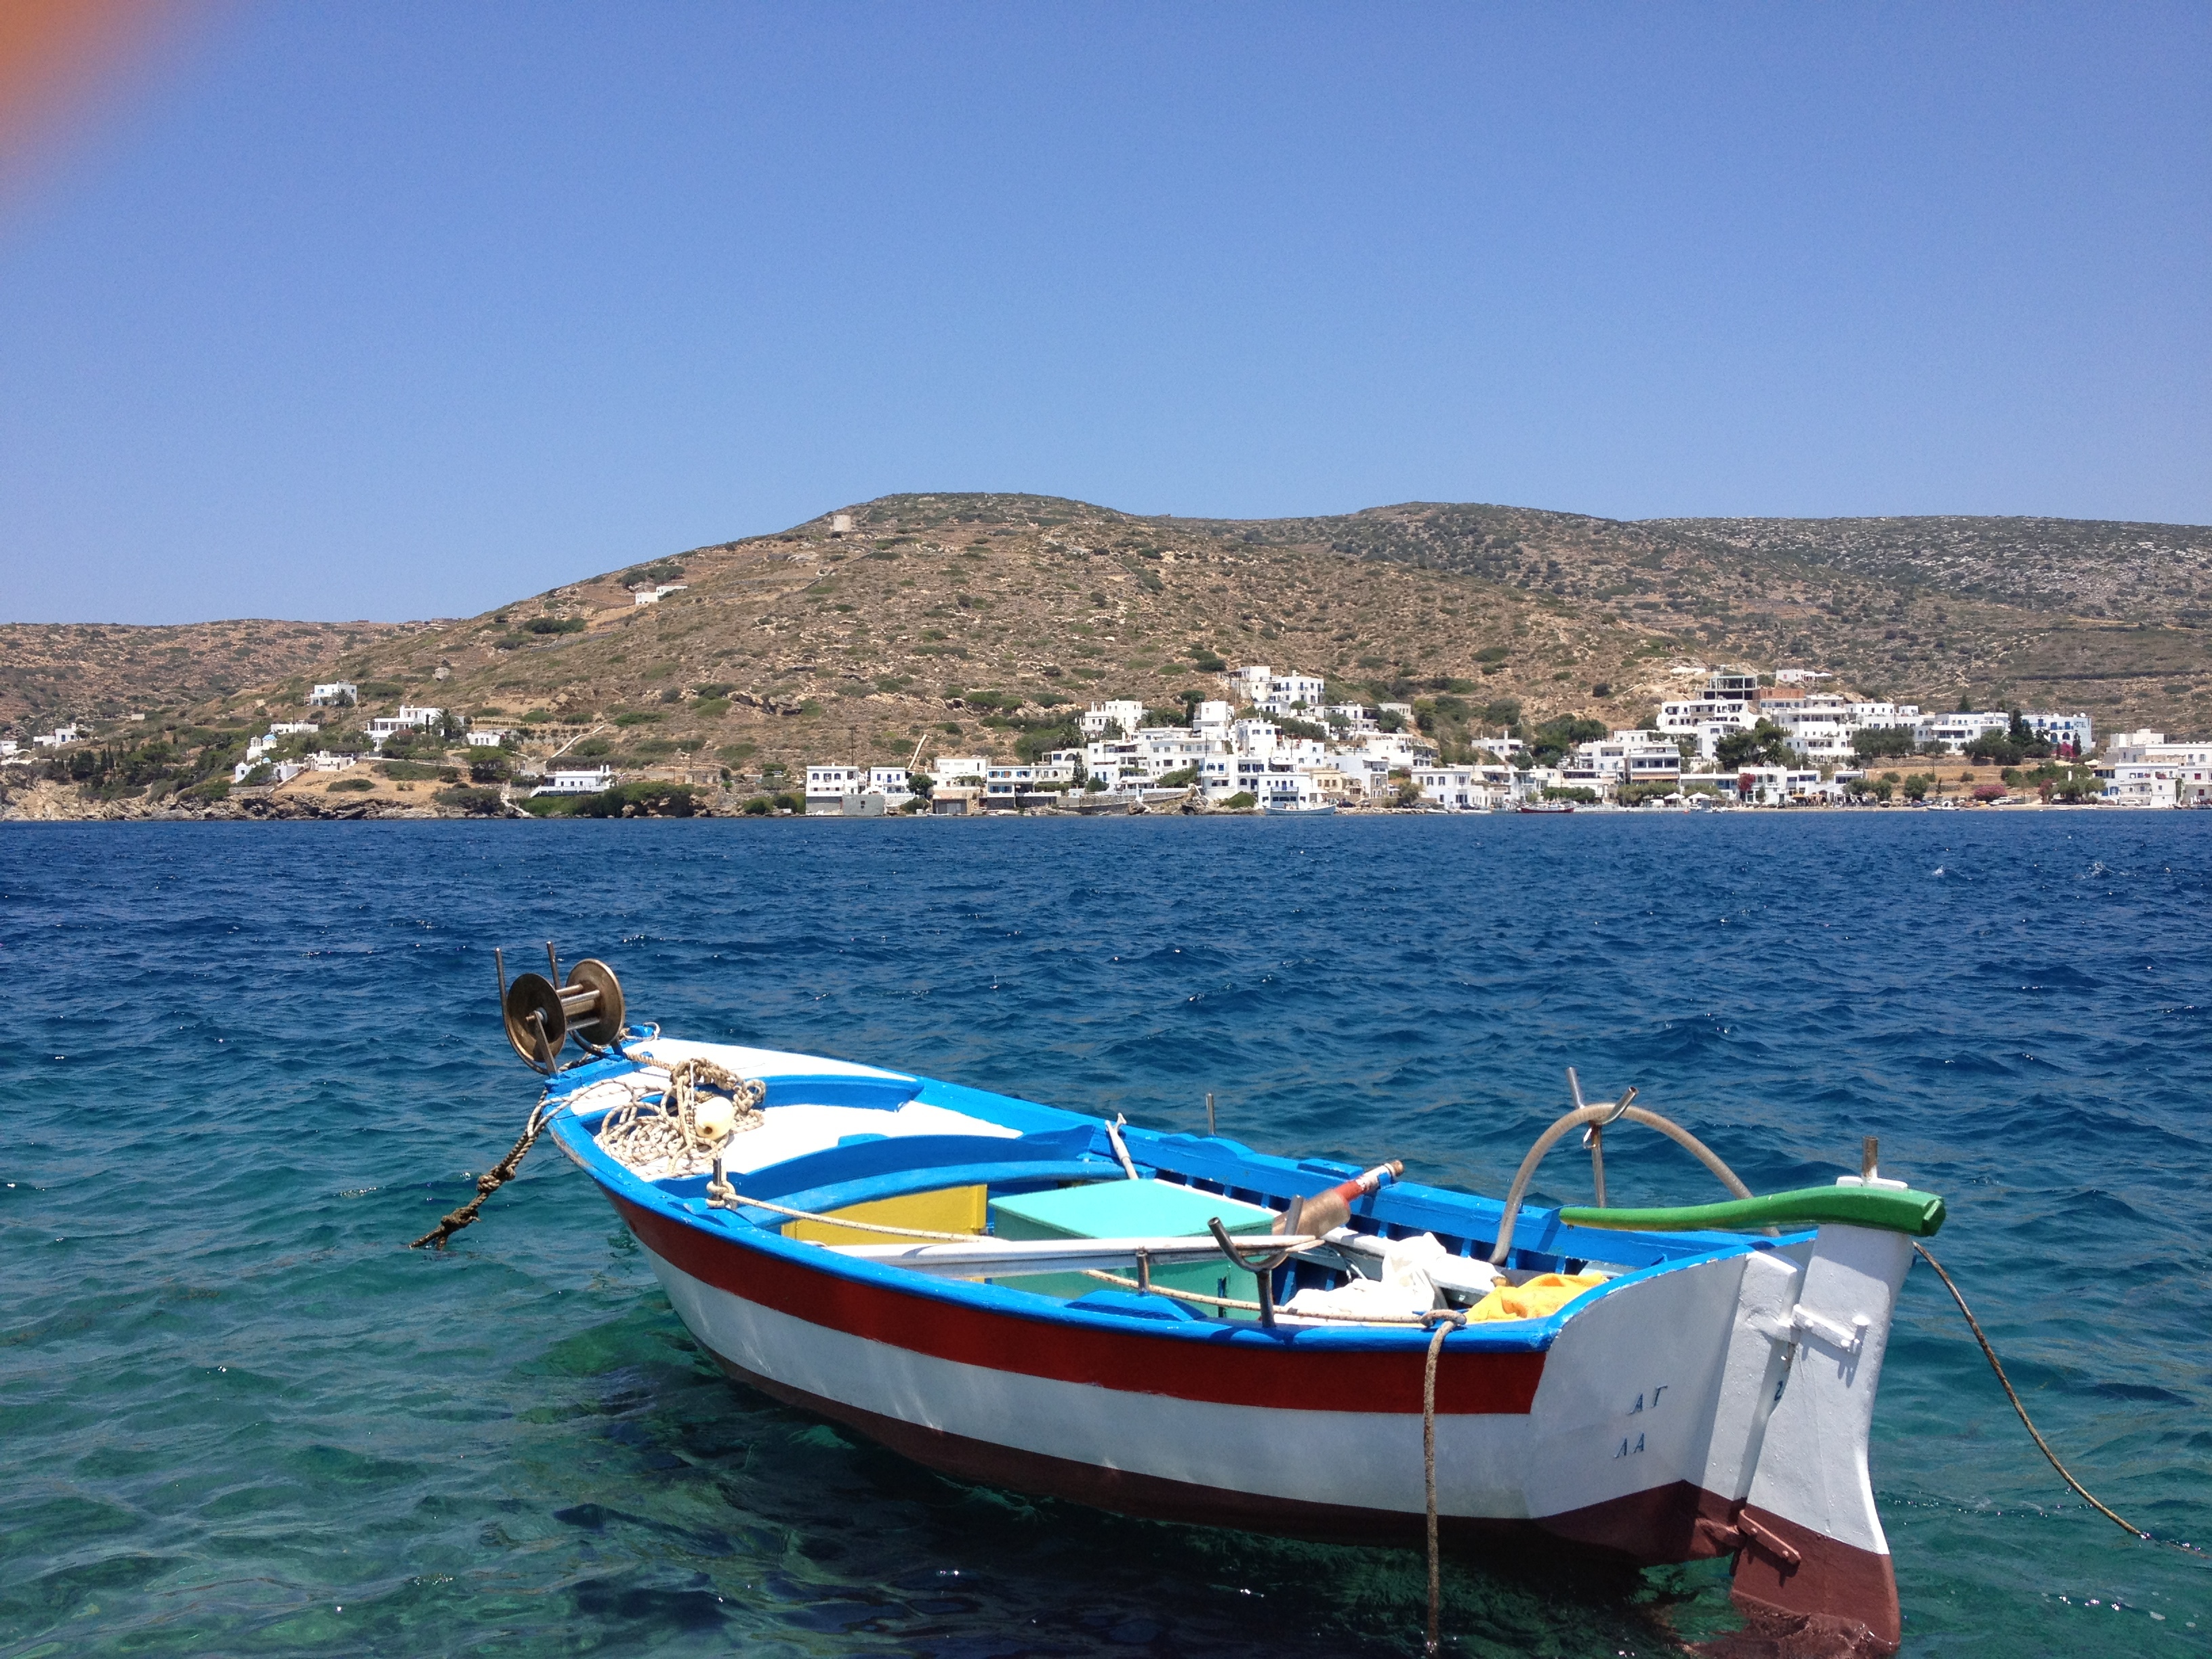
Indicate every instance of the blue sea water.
{"type": "Point", "coordinates": [241, 1065]}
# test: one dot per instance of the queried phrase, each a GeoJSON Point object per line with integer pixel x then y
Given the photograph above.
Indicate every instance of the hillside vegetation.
{"type": "Point", "coordinates": [54, 673]}
{"type": "Point", "coordinates": [968, 622]}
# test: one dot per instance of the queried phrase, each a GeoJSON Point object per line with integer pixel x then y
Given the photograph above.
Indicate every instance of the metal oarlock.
{"type": "Point", "coordinates": [1262, 1266]}
{"type": "Point", "coordinates": [1594, 1136]}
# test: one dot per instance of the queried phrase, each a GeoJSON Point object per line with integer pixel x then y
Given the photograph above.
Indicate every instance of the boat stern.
{"type": "Point", "coordinates": [1813, 1571]}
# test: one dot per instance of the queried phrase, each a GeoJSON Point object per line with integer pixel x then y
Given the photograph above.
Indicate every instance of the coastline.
{"type": "Point", "coordinates": [46, 802]}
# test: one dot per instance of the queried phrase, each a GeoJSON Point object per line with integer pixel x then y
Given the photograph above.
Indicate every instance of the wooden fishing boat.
{"type": "Point", "coordinates": [1177, 1326]}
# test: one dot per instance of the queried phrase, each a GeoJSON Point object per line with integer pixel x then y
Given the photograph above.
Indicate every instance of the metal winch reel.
{"type": "Point", "coordinates": [542, 1014]}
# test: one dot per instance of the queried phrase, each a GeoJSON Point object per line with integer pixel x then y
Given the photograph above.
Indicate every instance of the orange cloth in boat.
{"type": "Point", "coordinates": [1546, 1293]}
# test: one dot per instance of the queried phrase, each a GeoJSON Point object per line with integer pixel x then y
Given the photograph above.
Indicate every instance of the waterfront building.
{"type": "Point", "coordinates": [1770, 785]}
{"type": "Point", "coordinates": [333, 693]}
{"type": "Point", "coordinates": [577, 781]}
{"type": "Point", "coordinates": [1459, 788]}
{"type": "Point", "coordinates": [953, 770]}
{"type": "Point", "coordinates": [1118, 763]}
{"type": "Point", "coordinates": [1624, 757]}
{"type": "Point", "coordinates": [2142, 768]}
{"type": "Point", "coordinates": [1004, 786]}
{"type": "Point", "coordinates": [1171, 748]}
{"type": "Point", "coordinates": [1532, 784]}
{"type": "Point", "coordinates": [1060, 769]}
{"type": "Point", "coordinates": [828, 785]}
{"type": "Point", "coordinates": [891, 782]}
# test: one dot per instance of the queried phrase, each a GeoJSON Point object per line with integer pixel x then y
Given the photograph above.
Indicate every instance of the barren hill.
{"type": "Point", "coordinates": [981, 622]}
{"type": "Point", "coordinates": [58, 672]}
{"type": "Point", "coordinates": [2107, 616]}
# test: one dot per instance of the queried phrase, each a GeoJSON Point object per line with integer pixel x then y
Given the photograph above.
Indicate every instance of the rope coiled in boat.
{"type": "Point", "coordinates": [658, 1139]}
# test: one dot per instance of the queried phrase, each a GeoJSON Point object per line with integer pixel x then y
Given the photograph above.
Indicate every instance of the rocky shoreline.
{"type": "Point", "coordinates": [59, 803]}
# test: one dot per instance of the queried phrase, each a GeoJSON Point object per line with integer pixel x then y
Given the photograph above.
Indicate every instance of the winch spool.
{"type": "Point", "coordinates": [541, 1016]}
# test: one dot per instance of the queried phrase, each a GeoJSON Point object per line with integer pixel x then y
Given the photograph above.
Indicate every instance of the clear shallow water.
{"type": "Point", "coordinates": [243, 1064]}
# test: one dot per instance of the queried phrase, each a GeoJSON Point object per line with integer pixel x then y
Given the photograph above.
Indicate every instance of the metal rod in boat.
{"type": "Point", "coordinates": [1003, 1257]}
{"type": "Point", "coordinates": [1209, 1095]}
{"type": "Point", "coordinates": [553, 962]}
{"type": "Point", "coordinates": [1869, 1159]}
{"type": "Point", "coordinates": [499, 961]}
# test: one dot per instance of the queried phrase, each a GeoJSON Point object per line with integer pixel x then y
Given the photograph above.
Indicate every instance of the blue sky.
{"type": "Point", "coordinates": [354, 310]}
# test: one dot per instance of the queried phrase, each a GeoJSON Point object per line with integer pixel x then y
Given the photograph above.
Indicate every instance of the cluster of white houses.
{"type": "Point", "coordinates": [1235, 746]}
{"type": "Point", "coordinates": [1274, 738]}
{"type": "Point", "coordinates": [1821, 724]}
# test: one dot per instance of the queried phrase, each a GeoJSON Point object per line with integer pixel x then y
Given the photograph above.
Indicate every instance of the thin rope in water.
{"type": "Point", "coordinates": [2042, 1445]}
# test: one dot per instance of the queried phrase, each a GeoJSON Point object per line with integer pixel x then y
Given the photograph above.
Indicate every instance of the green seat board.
{"type": "Point", "coordinates": [1919, 1214]}
{"type": "Point", "coordinates": [1130, 1209]}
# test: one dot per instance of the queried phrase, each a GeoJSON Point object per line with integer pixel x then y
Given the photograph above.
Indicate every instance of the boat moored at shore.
{"type": "Point", "coordinates": [1177, 1326]}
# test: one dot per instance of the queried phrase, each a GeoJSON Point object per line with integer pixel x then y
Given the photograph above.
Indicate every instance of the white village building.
{"type": "Point", "coordinates": [577, 781]}
{"type": "Point", "coordinates": [409, 718]}
{"type": "Point", "coordinates": [1122, 715]}
{"type": "Point", "coordinates": [1275, 693]}
{"type": "Point", "coordinates": [2142, 768]}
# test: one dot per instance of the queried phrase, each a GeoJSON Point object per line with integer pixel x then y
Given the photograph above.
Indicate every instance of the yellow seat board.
{"type": "Point", "coordinates": [948, 1209]}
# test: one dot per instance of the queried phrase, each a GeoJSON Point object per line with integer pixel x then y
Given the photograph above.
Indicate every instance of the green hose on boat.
{"type": "Point", "coordinates": [1918, 1215]}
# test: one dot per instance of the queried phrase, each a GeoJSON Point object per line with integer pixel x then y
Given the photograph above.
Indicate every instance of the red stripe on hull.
{"type": "Point", "coordinates": [1212, 1368]}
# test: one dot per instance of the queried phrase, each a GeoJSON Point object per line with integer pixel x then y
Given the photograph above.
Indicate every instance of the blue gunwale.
{"type": "Point", "coordinates": [1054, 1152]}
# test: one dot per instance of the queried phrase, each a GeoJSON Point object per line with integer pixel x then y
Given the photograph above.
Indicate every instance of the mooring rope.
{"type": "Point", "coordinates": [2042, 1445]}
{"type": "Point", "coordinates": [488, 1183]}
{"type": "Point", "coordinates": [1446, 1323]}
